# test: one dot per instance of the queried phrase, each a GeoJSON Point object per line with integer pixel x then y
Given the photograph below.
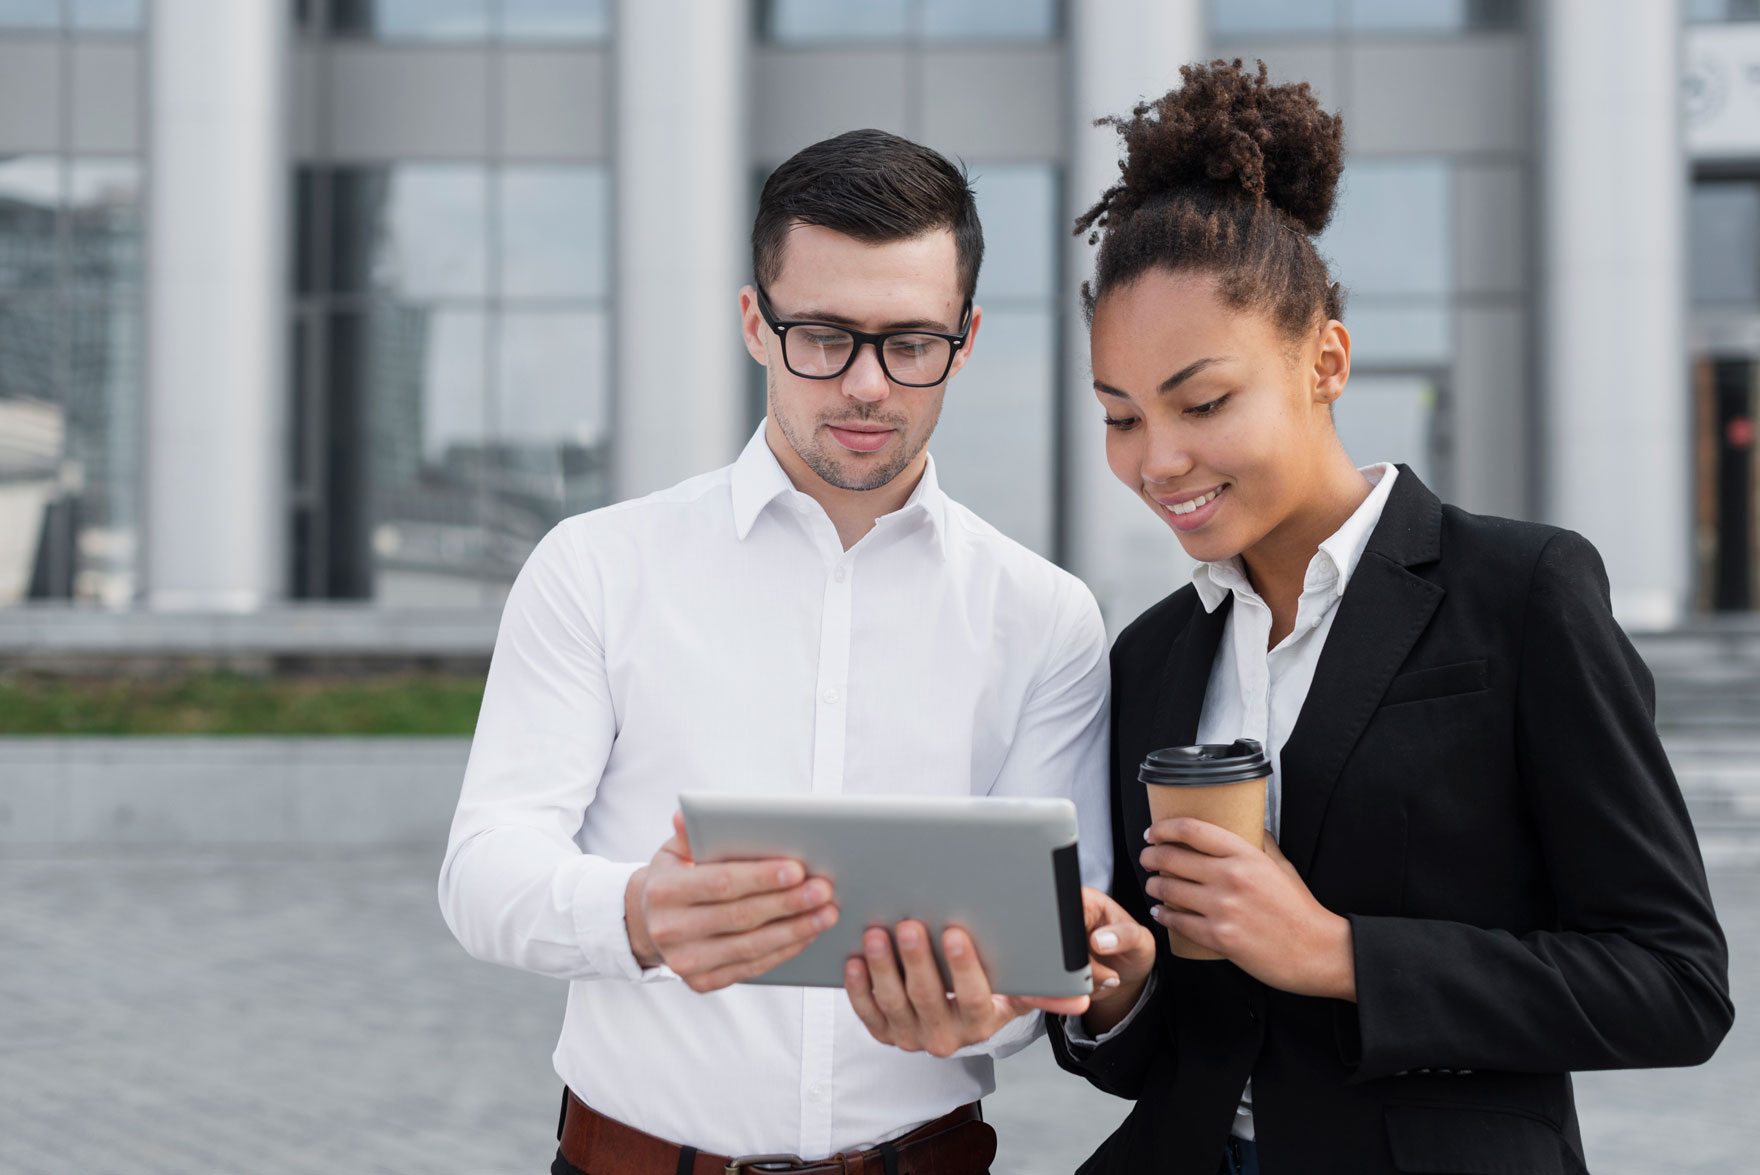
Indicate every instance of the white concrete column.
{"type": "Point", "coordinates": [217, 240]}
{"type": "Point", "coordinates": [1120, 52]}
{"type": "Point", "coordinates": [1614, 460]}
{"type": "Point", "coordinates": [682, 226]}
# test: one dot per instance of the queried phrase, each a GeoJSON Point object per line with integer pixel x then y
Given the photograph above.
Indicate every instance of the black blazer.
{"type": "Point", "coordinates": [1476, 782]}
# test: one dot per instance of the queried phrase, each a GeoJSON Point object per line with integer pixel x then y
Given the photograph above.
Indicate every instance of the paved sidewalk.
{"type": "Point", "coordinates": [311, 1014]}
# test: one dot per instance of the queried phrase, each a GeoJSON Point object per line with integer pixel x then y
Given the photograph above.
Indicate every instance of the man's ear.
{"type": "Point", "coordinates": [1332, 362]}
{"type": "Point", "coordinates": [752, 325]}
{"type": "Point", "coordinates": [965, 352]}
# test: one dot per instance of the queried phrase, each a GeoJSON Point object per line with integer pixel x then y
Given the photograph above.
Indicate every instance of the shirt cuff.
{"type": "Point", "coordinates": [599, 925]}
{"type": "Point", "coordinates": [1077, 1035]}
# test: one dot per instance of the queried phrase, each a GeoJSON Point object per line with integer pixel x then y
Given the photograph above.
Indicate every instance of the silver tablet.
{"type": "Point", "coordinates": [1004, 869]}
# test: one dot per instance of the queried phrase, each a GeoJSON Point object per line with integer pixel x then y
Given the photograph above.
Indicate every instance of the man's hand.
{"type": "Point", "coordinates": [718, 924]}
{"type": "Point", "coordinates": [912, 1009]}
{"type": "Point", "coordinates": [1252, 906]}
{"type": "Point", "coordinates": [1121, 953]}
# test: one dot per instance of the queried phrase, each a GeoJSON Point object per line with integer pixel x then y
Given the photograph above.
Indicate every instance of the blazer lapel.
{"type": "Point", "coordinates": [1384, 610]}
{"type": "Point", "coordinates": [1186, 677]}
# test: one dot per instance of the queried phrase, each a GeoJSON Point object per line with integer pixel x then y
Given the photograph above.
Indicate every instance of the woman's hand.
{"type": "Point", "coordinates": [1251, 906]}
{"type": "Point", "coordinates": [1121, 953]}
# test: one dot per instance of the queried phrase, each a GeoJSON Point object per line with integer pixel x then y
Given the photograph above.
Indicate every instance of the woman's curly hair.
{"type": "Point", "coordinates": [1227, 175]}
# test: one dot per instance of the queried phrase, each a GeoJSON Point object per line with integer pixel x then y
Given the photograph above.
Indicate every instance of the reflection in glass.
{"type": "Point", "coordinates": [555, 20]}
{"type": "Point", "coordinates": [1390, 418]}
{"type": "Point", "coordinates": [1244, 17]}
{"type": "Point", "coordinates": [1384, 335]}
{"type": "Point", "coordinates": [1723, 233]}
{"type": "Point", "coordinates": [989, 19]}
{"type": "Point", "coordinates": [554, 237]}
{"type": "Point", "coordinates": [30, 14]}
{"type": "Point", "coordinates": [838, 20]}
{"type": "Point", "coordinates": [1018, 207]}
{"type": "Point", "coordinates": [104, 228]}
{"type": "Point", "coordinates": [103, 437]}
{"type": "Point", "coordinates": [1391, 231]}
{"type": "Point", "coordinates": [425, 20]}
{"type": "Point", "coordinates": [108, 15]}
{"type": "Point", "coordinates": [994, 447]}
{"type": "Point", "coordinates": [31, 440]}
{"type": "Point", "coordinates": [552, 416]}
{"type": "Point", "coordinates": [27, 348]}
{"type": "Point", "coordinates": [1432, 15]}
{"type": "Point", "coordinates": [30, 190]}
{"type": "Point", "coordinates": [417, 230]}
{"type": "Point", "coordinates": [1723, 10]}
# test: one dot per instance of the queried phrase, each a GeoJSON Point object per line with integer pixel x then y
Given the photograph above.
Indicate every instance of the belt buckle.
{"type": "Point", "coordinates": [767, 1162]}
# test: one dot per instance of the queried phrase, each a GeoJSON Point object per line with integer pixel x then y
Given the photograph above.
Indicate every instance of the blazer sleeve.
{"type": "Point", "coordinates": [1120, 1064]}
{"type": "Point", "coordinates": [1635, 971]}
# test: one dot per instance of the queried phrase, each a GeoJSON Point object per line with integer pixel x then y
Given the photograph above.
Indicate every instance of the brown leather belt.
{"type": "Point", "coordinates": [953, 1144]}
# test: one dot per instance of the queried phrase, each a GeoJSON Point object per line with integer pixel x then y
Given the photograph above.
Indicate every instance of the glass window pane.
{"type": "Point", "coordinates": [1392, 228]}
{"type": "Point", "coordinates": [104, 224]}
{"type": "Point", "coordinates": [32, 433]}
{"type": "Point", "coordinates": [1018, 206]}
{"type": "Point", "coordinates": [420, 373]}
{"type": "Point", "coordinates": [989, 19]}
{"type": "Point", "coordinates": [1723, 10]}
{"type": "Point", "coordinates": [30, 14]}
{"type": "Point", "coordinates": [1384, 336]}
{"type": "Point", "coordinates": [416, 231]}
{"type": "Point", "coordinates": [555, 20]}
{"type": "Point", "coordinates": [1432, 15]}
{"type": "Point", "coordinates": [27, 349]}
{"type": "Point", "coordinates": [555, 232]}
{"type": "Point", "coordinates": [1389, 418]}
{"type": "Point", "coordinates": [1252, 17]}
{"type": "Point", "coordinates": [103, 437]}
{"type": "Point", "coordinates": [552, 416]}
{"type": "Point", "coordinates": [426, 20]}
{"type": "Point", "coordinates": [838, 20]}
{"type": "Point", "coordinates": [30, 190]}
{"type": "Point", "coordinates": [997, 417]}
{"type": "Point", "coordinates": [1723, 234]}
{"type": "Point", "coordinates": [108, 15]}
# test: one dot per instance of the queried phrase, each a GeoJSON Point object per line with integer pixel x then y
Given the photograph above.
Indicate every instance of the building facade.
{"type": "Point", "coordinates": [354, 299]}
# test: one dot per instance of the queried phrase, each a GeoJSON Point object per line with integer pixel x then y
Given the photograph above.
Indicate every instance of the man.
{"type": "Point", "coordinates": [818, 618]}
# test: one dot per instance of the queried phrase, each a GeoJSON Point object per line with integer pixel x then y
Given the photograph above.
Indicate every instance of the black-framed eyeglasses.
{"type": "Point", "coordinates": [911, 358]}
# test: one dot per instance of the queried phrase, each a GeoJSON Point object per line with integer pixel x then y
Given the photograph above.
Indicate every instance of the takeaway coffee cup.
{"type": "Point", "coordinates": [1222, 783]}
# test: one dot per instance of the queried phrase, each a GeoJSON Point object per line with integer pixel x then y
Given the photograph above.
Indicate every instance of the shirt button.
{"type": "Point", "coordinates": [832, 696]}
{"type": "Point", "coordinates": [841, 574]}
{"type": "Point", "coordinates": [816, 1091]}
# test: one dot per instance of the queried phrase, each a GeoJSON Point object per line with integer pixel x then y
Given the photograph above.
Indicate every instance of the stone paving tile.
{"type": "Point", "coordinates": [298, 1015]}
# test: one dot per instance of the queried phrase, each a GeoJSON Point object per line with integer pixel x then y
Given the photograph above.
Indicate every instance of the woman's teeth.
{"type": "Point", "coordinates": [1188, 507]}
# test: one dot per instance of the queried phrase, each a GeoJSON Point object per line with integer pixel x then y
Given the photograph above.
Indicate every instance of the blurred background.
{"type": "Point", "coordinates": [316, 314]}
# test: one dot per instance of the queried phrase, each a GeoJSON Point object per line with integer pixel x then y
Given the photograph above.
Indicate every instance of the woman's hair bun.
{"type": "Point", "coordinates": [1228, 134]}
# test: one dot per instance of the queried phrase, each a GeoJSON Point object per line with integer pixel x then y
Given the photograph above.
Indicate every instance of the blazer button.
{"type": "Point", "coordinates": [1252, 1014]}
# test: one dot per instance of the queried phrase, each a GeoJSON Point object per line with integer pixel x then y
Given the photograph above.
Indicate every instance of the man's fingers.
{"type": "Point", "coordinates": [750, 969]}
{"type": "Point", "coordinates": [729, 881]}
{"type": "Point", "coordinates": [923, 984]}
{"type": "Point", "coordinates": [971, 986]}
{"type": "Point", "coordinates": [710, 955]}
{"type": "Point", "coordinates": [681, 837]}
{"type": "Point", "coordinates": [750, 913]}
{"type": "Point", "coordinates": [860, 987]}
{"type": "Point", "coordinates": [889, 991]}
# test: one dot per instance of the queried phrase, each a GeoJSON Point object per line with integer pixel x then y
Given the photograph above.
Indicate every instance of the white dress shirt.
{"type": "Point", "coordinates": [1258, 692]}
{"type": "Point", "coordinates": [717, 636]}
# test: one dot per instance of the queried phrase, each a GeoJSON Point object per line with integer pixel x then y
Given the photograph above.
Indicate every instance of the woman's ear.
{"type": "Point", "coordinates": [1332, 362]}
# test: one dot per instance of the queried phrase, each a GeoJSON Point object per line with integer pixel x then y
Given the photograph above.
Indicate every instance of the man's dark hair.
{"type": "Point", "coordinates": [875, 187]}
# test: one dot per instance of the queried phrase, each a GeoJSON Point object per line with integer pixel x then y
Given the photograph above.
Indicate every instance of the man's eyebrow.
{"type": "Point", "coordinates": [832, 318]}
{"type": "Point", "coordinates": [1171, 382]}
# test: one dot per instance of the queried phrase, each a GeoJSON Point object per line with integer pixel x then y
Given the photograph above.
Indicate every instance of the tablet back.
{"type": "Point", "coordinates": [1003, 868]}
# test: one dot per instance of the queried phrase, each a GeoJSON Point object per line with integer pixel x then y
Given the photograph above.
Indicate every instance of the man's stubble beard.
{"type": "Point", "coordinates": [823, 464]}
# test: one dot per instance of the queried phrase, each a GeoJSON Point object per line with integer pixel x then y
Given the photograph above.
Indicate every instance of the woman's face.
{"type": "Point", "coordinates": [1215, 417]}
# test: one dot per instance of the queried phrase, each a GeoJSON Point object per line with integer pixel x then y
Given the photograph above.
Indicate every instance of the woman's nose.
{"type": "Point", "coordinates": [1168, 458]}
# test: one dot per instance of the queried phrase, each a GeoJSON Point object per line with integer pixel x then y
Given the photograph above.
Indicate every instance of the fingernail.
{"type": "Point", "coordinates": [907, 937]}
{"type": "Point", "coordinates": [956, 947]}
{"type": "Point", "coordinates": [1106, 940]}
{"type": "Point", "coordinates": [875, 948]}
{"type": "Point", "coordinates": [1155, 913]}
{"type": "Point", "coordinates": [825, 919]}
{"type": "Point", "coordinates": [1113, 982]}
{"type": "Point", "coordinates": [1146, 834]}
{"type": "Point", "coordinates": [788, 875]}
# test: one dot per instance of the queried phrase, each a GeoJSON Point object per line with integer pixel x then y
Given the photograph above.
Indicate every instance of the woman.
{"type": "Point", "coordinates": [1479, 874]}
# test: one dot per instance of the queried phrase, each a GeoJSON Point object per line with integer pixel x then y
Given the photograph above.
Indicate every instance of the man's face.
{"type": "Point", "coordinates": [857, 431]}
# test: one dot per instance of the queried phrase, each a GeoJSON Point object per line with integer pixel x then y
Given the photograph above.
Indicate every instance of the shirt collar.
{"type": "Point", "coordinates": [1333, 564]}
{"type": "Point", "coordinates": [758, 479]}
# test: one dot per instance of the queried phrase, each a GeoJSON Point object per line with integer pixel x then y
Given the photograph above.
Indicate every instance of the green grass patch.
{"type": "Point", "coordinates": [230, 703]}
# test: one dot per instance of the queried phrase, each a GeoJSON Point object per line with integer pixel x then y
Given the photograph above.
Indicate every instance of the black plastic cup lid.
{"type": "Point", "coordinates": [1206, 764]}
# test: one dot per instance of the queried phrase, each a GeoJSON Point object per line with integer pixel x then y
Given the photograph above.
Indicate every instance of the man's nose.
{"type": "Point", "coordinates": [866, 379]}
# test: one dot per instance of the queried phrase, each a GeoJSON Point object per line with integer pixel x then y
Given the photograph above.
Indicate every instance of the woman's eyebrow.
{"type": "Point", "coordinates": [1171, 382]}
